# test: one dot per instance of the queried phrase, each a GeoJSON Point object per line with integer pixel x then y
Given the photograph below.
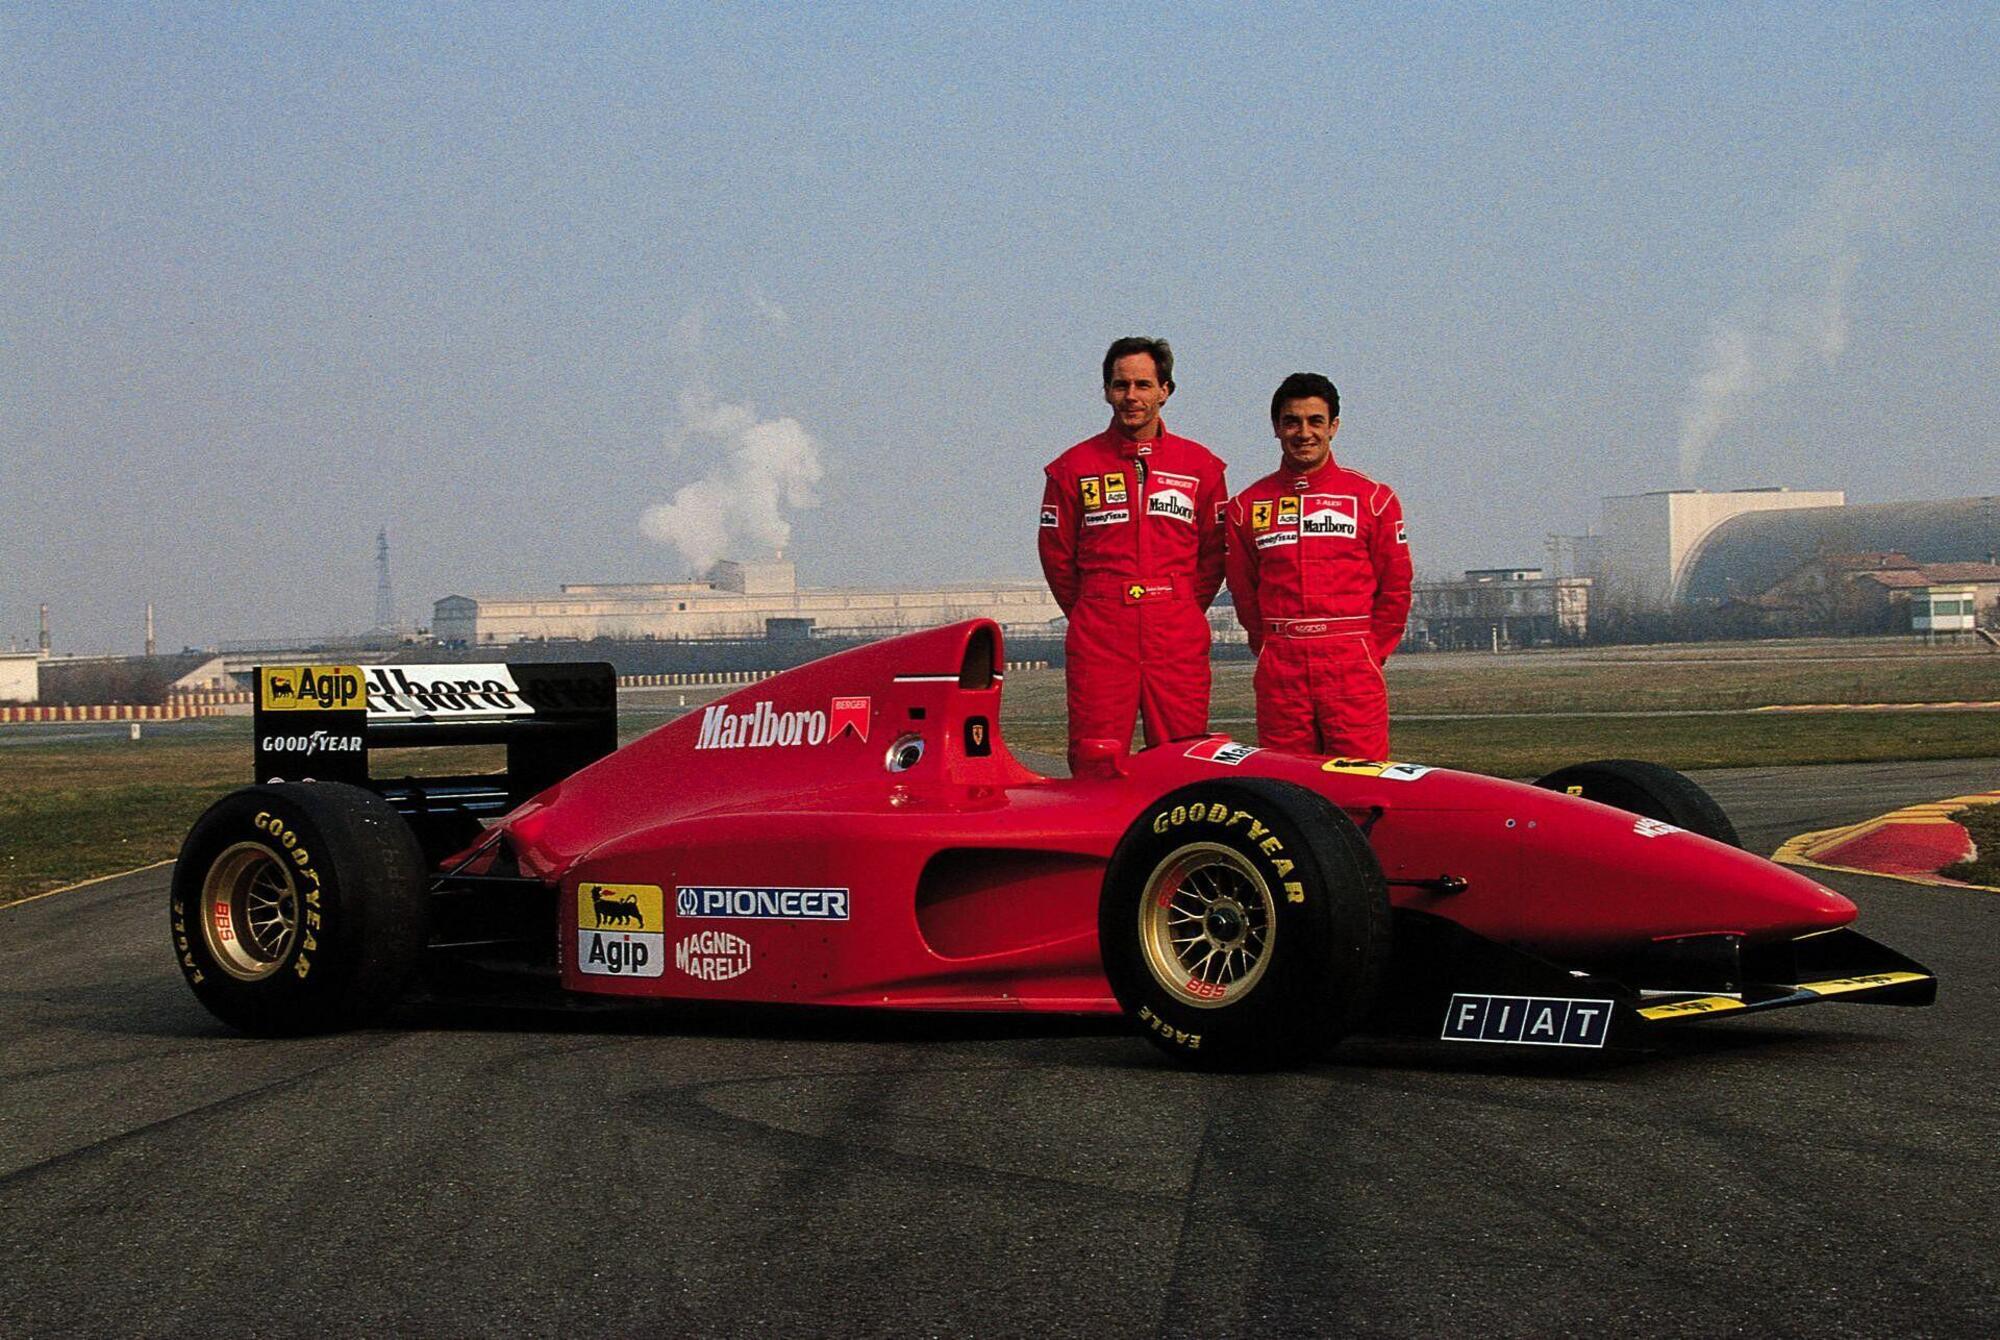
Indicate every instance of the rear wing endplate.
{"type": "Point", "coordinates": [322, 721]}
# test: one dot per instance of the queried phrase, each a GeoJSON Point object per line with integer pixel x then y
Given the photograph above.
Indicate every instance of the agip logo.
{"type": "Point", "coordinates": [620, 930]}
{"type": "Point", "coordinates": [312, 688]}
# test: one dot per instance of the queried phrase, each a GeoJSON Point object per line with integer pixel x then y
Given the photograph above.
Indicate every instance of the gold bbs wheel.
{"type": "Point", "coordinates": [1205, 925]}
{"type": "Point", "coordinates": [249, 911]}
{"type": "Point", "coordinates": [1243, 923]}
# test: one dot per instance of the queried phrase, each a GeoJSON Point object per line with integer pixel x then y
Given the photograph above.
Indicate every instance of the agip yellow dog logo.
{"type": "Point", "coordinates": [312, 688]}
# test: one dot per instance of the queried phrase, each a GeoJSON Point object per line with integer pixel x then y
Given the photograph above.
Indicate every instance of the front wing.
{"type": "Point", "coordinates": [1451, 984]}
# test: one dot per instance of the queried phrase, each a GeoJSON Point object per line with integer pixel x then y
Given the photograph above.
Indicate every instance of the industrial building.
{"type": "Point", "coordinates": [20, 677]}
{"type": "Point", "coordinates": [1751, 553]}
{"type": "Point", "coordinates": [1883, 592]}
{"type": "Point", "coordinates": [1495, 608]}
{"type": "Point", "coordinates": [1692, 549]}
{"type": "Point", "coordinates": [1647, 543]}
{"type": "Point", "coordinates": [736, 600]}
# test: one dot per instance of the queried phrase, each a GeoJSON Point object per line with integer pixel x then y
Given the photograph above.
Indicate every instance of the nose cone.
{"type": "Point", "coordinates": [1600, 879]}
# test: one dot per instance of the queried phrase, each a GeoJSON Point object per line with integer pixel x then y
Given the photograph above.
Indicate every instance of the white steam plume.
{"type": "Point", "coordinates": [1802, 314]}
{"type": "Point", "coordinates": [756, 469]}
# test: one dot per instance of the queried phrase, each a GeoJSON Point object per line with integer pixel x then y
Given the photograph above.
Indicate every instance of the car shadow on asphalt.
{"type": "Point", "coordinates": [1684, 1045]}
{"type": "Point", "coordinates": [168, 1012]}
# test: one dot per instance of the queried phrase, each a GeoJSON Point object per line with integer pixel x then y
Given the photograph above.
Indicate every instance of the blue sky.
{"type": "Point", "coordinates": [512, 279]}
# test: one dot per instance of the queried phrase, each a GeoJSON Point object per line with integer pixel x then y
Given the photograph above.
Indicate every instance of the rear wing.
{"type": "Point", "coordinates": [322, 721]}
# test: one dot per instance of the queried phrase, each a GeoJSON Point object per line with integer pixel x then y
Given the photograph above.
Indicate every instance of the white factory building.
{"type": "Point", "coordinates": [1648, 543]}
{"type": "Point", "coordinates": [20, 676]}
{"type": "Point", "coordinates": [737, 599]}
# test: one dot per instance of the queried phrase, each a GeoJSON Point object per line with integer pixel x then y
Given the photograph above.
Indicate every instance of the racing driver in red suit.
{"type": "Point", "coordinates": [1319, 567]}
{"type": "Point", "coordinates": [1131, 543]}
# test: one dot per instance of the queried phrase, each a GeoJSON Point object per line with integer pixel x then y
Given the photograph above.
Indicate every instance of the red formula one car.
{"type": "Point", "coordinates": [855, 832]}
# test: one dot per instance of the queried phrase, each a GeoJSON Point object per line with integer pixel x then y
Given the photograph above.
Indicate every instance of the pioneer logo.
{"type": "Point", "coordinates": [761, 904]}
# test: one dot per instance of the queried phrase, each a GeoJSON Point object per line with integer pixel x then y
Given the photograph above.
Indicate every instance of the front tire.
{"type": "Point", "coordinates": [1649, 790]}
{"type": "Point", "coordinates": [1244, 924]}
{"type": "Point", "coordinates": [298, 907]}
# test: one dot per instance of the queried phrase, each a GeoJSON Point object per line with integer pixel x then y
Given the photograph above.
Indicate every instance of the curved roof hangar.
{"type": "Point", "coordinates": [1747, 554]}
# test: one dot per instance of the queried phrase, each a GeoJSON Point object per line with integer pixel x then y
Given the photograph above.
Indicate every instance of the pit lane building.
{"type": "Point", "coordinates": [735, 600]}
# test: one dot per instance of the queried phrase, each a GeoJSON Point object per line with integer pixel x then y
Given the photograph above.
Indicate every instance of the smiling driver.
{"type": "Point", "coordinates": [1319, 567]}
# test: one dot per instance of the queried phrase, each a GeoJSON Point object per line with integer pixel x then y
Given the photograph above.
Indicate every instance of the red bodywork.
{"type": "Point", "coordinates": [972, 882]}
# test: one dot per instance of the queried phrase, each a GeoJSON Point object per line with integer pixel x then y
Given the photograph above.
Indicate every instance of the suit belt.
{"type": "Point", "coordinates": [1335, 626]}
{"type": "Point", "coordinates": [1132, 590]}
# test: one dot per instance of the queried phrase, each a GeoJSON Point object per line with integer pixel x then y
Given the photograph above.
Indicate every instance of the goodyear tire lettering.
{"type": "Point", "coordinates": [1225, 818]}
{"type": "Point", "coordinates": [336, 844]}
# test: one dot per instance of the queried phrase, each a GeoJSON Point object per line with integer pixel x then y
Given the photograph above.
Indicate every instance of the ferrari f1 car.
{"type": "Point", "coordinates": [855, 832]}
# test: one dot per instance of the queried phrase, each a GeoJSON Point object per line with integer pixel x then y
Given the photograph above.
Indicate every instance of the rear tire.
{"type": "Point", "coordinates": [1244, 924]}
{"type": "Point", "coordinates": [298, 907]}
{"type": "Point", "coordinates": [1648, 790]}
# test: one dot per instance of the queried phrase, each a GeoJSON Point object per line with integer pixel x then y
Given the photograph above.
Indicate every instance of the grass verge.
{"type": "Point", "coordinates": [74, 810]}
{"type": "Point", "coordinates": [1982, 822]}
{"type": "Point", "coordinates": [1529, 746]}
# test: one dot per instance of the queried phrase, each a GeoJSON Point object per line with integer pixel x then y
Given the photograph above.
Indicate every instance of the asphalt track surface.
{"type": "Point", "coordinates": [1827, 1171]}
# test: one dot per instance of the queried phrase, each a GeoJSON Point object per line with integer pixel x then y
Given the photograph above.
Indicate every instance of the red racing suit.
{"type": "Point", "coordinates": [1319, 567]}
{"type": "Point", "coordinates": [1131, 544]}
